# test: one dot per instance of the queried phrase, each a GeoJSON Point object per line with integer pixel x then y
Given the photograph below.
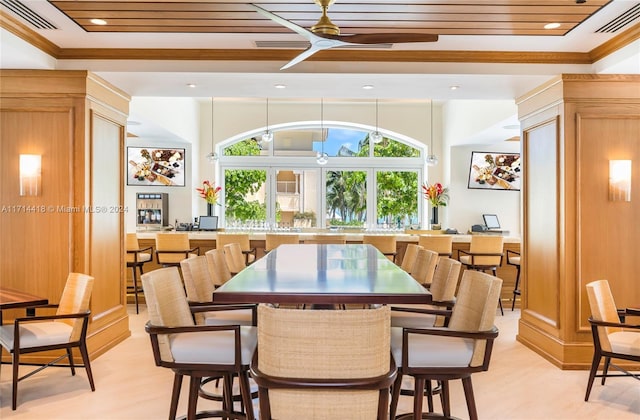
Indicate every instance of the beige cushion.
{"type": "Point", "coordinates": [514, 260]}
{"type": "Point", "coordinates": [142, 257]}
{"type": "Point", "coordinates": [431, 350]}
{"type": "Point", "coordinates": [36, 334]}
{"type": "Point", "coordinates": [213, 347]}
{"type": "Point", "coordinates": [412, 319]}
{"type": "Point", "coordinates": [625, 342]}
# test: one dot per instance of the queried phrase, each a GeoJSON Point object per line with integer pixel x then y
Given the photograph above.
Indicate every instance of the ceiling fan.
{"type": "Point", "coordinates": [325, 35]}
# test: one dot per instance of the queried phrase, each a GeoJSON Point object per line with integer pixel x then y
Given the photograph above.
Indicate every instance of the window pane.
{"type": "Point", "coordinates": [346, 198]}
{"type": "Point", "coordinates": [392, 148]}
{"type": "Point", "coordinates": [245, 191]}
{"type": "Point", "coordinates": [397, 198]}
{"type": "Point", "coordinates": [343, 142]}
{"type": "Point", "coordinates": [297, 199]}
{"type": "Point", "coordinates": [246, 147]}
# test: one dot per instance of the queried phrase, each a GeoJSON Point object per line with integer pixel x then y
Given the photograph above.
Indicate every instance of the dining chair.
{"type": "Point", "coordinates": [136, 258]}
{"type": "Point", "coordinates": [249, 253]}
{"type": "Point", "coordinates": [386, 244]}
{"type": "Point", "coordinates": [173, 247]}
{"type": "Point", "coordinates": [327, 239]}
{"type": "Point", "coordinates": [218, 268]}
{"type": "Point", "coordinates": [323, 364]}
{"type": "Point", "coordinates": [409, 257]}
{"type": "Point", "coordinates": [485, 253]}
{"type": "Point", "coordinates": [425, 267]}
{"type": "Point", "coordinates": [453, 352]}
{"type": "Point", "coordinates": [200, 288]}
{"type": "Point", "coordinates": [612, 339]}
{"type": "Point", "coordinates": [513, 258]}
{"type": "Point", "coordinates": [443, 290]}
{"type": "Point", "coordinates": [442, 244]}
{"type": "Point", "coordinates": [274, 240]}
{"type": "Point", "coordinates": [67, 329]}
{"type": "Point", "coordinates": [196, 351]}
{"type": "Point", "coordinates": [234, 257]}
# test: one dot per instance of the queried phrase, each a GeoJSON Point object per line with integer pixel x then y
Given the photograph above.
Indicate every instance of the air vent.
{"type": "Point", "coordinates": [305, 44]}
{"type": "Point", "coordinates": [27, 14]}
{"type": "Point", "coordinates": [621, 21]}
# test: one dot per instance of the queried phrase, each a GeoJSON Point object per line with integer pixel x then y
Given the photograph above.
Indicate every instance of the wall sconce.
{"type": "Point", "coordinates": [619, 180]}
{"type": "Point", "coordinates": [30, 175]}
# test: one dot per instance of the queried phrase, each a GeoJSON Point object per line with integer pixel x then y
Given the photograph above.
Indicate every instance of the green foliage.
{"type": "Point", "coordinates": [397, 194]}
{"type": "Point", "coordinates": [241, 183]}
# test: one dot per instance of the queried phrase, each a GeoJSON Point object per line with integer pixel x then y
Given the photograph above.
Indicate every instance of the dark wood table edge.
{"type": "Point", "coordinates": [315, 298]}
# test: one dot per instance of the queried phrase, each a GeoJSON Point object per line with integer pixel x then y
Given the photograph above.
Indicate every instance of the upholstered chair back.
{"type": "Point", "coordinates": [171, 242]}
{"type": "Point", "coordinates": [409, 258]}
{"type": "Point", "coordinates": [475, 308]}
{"type": "Point", "coordinates": [234, 257]}
{"type": "Point", "coordinates": [299, 343]}
{"type": "Point", "coordinates": [76, 297]}
{"type": "Point", "coordinates": [218, 267]}
{"type": "Point", "coordinates": [486, 244]}
{"type": "Point", "coordinates": [197, 282]}
{"type": "Point", "coordinates": [603, 308]}
{"type": "Point", "coordinates": [425, 266]}
{"type": "Point", "coordinates": [442, 244]}
{"type": "Point", "coordinates": [166, 303]}
{"type": "Point", "coordinates": [273, 240]}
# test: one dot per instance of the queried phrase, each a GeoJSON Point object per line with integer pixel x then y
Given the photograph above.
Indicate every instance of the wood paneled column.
{"type": "Point", "coordinates": [76, 122]}
{"type": "Point", "coordinates": [572, 234]}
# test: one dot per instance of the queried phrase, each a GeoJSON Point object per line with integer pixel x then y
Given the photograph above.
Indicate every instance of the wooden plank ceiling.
{"type": "Point", "coordinates": [442, 17]}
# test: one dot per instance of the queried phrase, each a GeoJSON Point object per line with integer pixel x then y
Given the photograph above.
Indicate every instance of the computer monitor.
{"type": "Point", "coordinates": [491, 221]}
{"type": "Point", "coordinates": [208, 223]}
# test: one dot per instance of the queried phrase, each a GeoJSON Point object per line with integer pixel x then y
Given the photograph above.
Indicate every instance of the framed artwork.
{"type": "Point", "coordinates": [148, 166]}
{"type": "Point", "coordinates": [495, 171]}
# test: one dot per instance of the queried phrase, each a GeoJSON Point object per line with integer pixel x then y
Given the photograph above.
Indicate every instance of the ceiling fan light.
{"type": "Point", "coordinates": [376, 137]}
{"type": "Point", "coordinates": [267, 136]}
{"type": "Point", "coordinates": [212, 157]}
{"type": "Point", "coordinates": [322, 158]}
{"type": "Point", "coordinates": [432, 160]}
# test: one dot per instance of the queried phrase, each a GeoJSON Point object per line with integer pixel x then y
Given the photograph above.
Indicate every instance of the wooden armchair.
{"type": "Point", "coordinates": [67, 329]}
{"type": "Point", "coordinates": [442, 244]}
{"type": "Point", "coordinates": [249, 253]}
{"type": "Point", "coordinates": [409, 257]}
{"type": "Point", "coordinates": [425, 267]}
{"type": "Point", "coordinates": [485, 253]}
{"type": "Point", "coordinates": [612, 339]}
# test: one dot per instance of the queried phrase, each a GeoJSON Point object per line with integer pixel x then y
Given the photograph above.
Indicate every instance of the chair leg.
{"type": "Point", "coordinates": [444, 398]}
{"type": "Point", "coordinates": [175, 396]}
{"type": "Point", "coordinates": [135, 287]}
{"type": "Point", "coordinates": [605, 368]}
{"type": "Point", "coordinates": [471, 402]}
{"type": "Point", "coordinates": [516, 290]}
{"type": "Point", "coordinates": [429, 392]}
{"type": "Point", "coordinates": [87, 364]}
{"type": "Point", "coordinates": [14, 391]}
{"type": "Point", "coordinates": [418, 397]}
{"type": "Point", "coordinates": [194, 386]}
{"type": "Point", "coordinates": [245, 391]}
{"type": "Point", "coordinates": [395, 395]}
{"type": "Point", "coordinates": [71, 365]}
{"type": "Point", "coordinates": [592, 374]}
{"type": "Point", "coordinates": [265, 407]}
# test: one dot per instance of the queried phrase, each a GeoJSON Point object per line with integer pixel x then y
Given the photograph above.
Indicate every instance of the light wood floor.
{"type": "Point", "coordinates": [519, 385]}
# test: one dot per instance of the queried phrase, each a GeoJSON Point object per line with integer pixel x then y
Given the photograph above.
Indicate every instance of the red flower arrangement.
{"type": "Point", "coordinates": [209, 192]}
{"type": "Point", "coordinates": [436, 194]}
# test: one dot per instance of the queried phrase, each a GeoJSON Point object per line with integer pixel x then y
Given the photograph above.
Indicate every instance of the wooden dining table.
{"type": "Point", "coordinates": [323, 274]}
{"type": "Point", "coordinates": [12, 299]}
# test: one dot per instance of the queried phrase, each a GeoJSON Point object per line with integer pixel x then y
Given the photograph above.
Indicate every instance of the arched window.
{"type": "Point", "coordinates": [281, 185]}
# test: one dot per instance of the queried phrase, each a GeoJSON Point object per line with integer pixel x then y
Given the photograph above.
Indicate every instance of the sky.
{"type": "Point", "coordinates": [337, 137]}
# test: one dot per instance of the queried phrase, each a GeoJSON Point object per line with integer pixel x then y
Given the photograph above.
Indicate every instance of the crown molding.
{"type": "Point", "coordinates": [19, 29]}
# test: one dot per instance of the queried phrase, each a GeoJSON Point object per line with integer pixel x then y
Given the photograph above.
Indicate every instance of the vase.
{"type": "Point", "coordinates": [209, 209]}
{"type": "Point", "coordinates": [435, 225]}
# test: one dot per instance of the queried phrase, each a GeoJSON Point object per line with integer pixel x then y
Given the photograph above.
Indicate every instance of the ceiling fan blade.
{"type": "Point", "coordinates": [296, 28]}
{"type": "Point", "coordinates": [302, 56]}
{"type": "Point", "coordinates": [394, 38]}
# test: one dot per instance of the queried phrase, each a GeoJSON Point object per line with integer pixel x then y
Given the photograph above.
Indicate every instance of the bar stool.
{"type": "Point", "coordinates": [136, 258]}
{"type": "Point", "coordinates": [442, 244]}
{"type": "Point", "coordinates": [223, 239]}
{"type": "Point", "coordinates": [513, 258]}
{"type": "Point", "coordinates": [384, 243]}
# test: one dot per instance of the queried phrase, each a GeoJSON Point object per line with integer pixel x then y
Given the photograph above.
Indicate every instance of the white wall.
{"type": "Point", "coordinates": [467, 205]}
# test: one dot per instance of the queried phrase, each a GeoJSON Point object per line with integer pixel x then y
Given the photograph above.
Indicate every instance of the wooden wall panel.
{"type": "Point", "coordinates": [541, 240]}
{"type": "Point", "coordinates": [608, 230]}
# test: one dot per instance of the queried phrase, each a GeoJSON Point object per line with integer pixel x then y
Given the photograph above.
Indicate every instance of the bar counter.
{"type": "Point", "coordinates": [207, 241]}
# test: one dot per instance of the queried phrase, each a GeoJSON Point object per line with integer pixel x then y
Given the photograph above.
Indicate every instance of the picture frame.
{"type": "Point", "coordinates": [495, 171]}
{"type": "Point", "coordinates": [154, 166]}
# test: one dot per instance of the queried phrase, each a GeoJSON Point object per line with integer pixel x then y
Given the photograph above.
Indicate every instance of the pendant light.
{"type": "Point", "coordinates": [322, 158]}
{"type": "Point", "coordinates": [376, 137]}
{"type": "Point", "coordinates": [267, 136]}
{"type": "Point", "coordinates": [432, 159]}
{"type": "Point", "coordinates": [212, 156]}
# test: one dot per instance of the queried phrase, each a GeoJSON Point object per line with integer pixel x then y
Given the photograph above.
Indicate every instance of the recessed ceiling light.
{"type": "Point", "coordinates": [191, 85]}
{"type": "Point", "coordinates": [454, 87]}
{"type": "Point", "coordinates": [553, 25]}
{"type": "Point", "coordinates": [367, 87]}
{"type": "Point", "coordinates": [280, 86]}
{"type": "Point", "coordinates": [98, 21]}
